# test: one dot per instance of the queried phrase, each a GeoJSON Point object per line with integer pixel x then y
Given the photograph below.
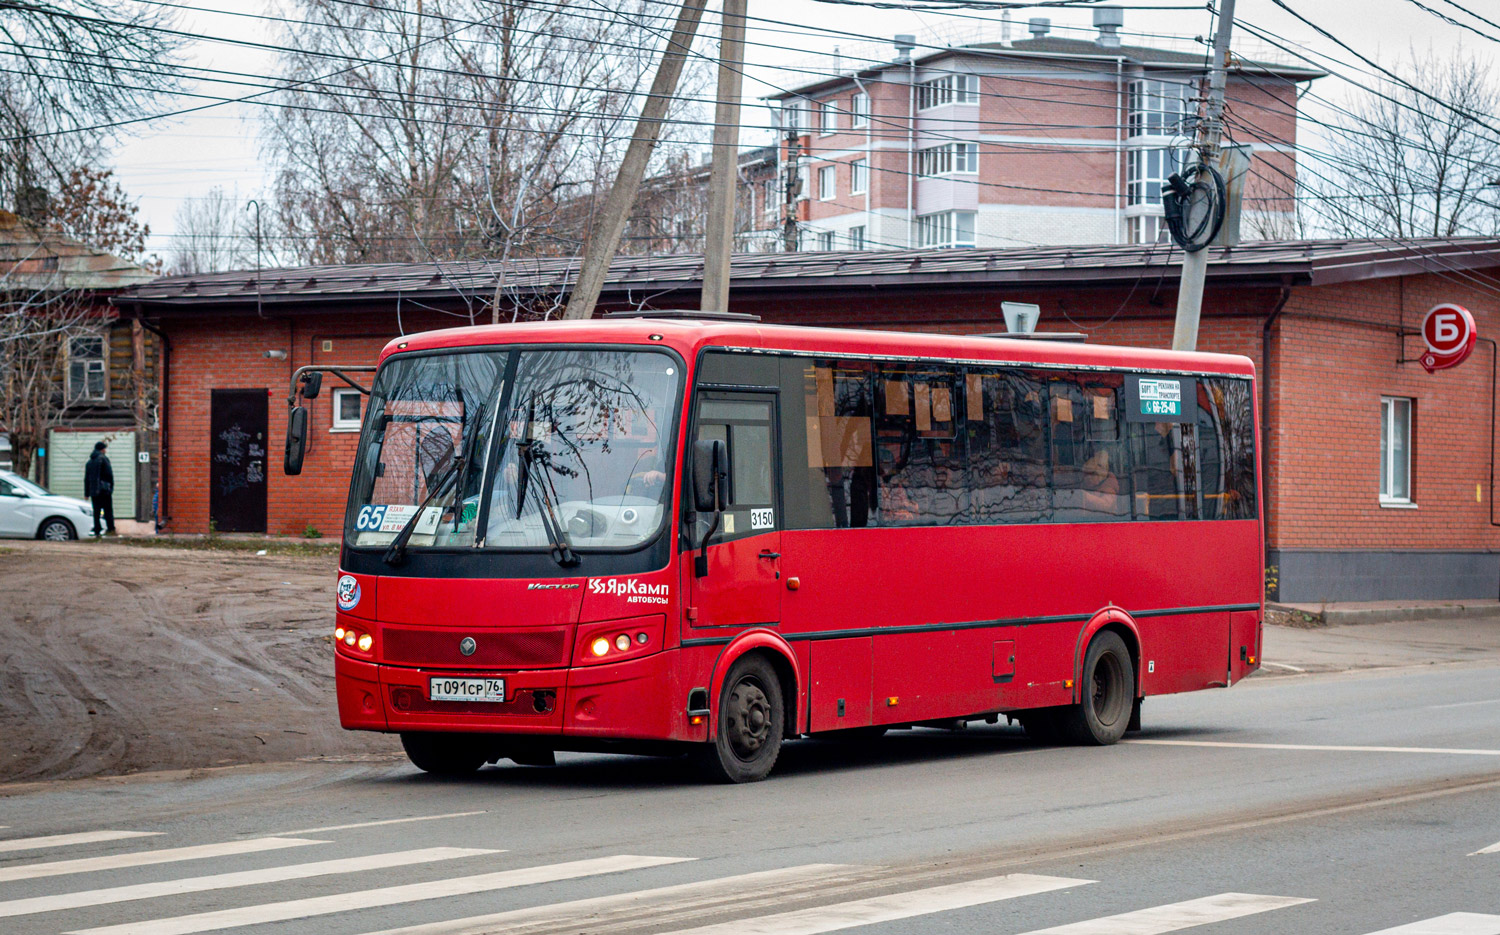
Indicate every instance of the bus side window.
{"type": "Point", "coordinates": [920, 468]}
{"type": "Point", "coordinates": [1226, 436]}
{"type": "Point", "coordinates": [1088, 457]}
{"type": "Point", "coordinates": [745, 426]}
{"type": "Point", "coordinates": [1005, 411]}
{"type": "Point", "coordinates": [838, 399]}
{"type": "Point", "coordinates": [1164, 463]}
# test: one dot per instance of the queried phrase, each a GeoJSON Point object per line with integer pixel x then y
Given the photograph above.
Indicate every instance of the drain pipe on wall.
{"type": "Point", "coordinates": [1265, 420]}
{"type": "Point", "coordinates": [162, 409]}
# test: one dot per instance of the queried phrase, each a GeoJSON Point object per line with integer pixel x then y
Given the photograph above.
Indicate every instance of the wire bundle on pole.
{"type": "Point", "coordinates": [1194, 206]}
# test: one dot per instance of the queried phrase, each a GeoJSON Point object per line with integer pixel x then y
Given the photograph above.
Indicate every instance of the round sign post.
{"type": "Point", "coordinates": [1450, 335]}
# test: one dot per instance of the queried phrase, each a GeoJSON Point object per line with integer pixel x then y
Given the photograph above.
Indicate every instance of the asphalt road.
{"type": "Point", "coordinates": [1324, 804]}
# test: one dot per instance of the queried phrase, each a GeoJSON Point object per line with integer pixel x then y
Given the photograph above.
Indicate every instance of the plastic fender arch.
{"type": "Point", "coordinates": [746, 642]}
{"type": "Point", "coordinates": [1099, 621]}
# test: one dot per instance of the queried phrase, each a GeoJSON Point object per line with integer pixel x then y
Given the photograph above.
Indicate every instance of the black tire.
{"type": "Point", "coordinates": [445, 754]}
{"type": "Point", "coordinates": [752, 720]}
{"type": "Point", "coordinates": [56, 529]}
{"type": "Point", "coordinates": [1108, 689]}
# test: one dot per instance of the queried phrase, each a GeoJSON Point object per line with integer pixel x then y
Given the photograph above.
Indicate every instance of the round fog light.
{"type": "Point", "coordinates": [622, 642]}
{"type": "Point", "coordinates": [338, 634]}
{"type": "Point", "coordinates": [600, 646]}
{"type": "Point", "coordinates": [365, 642]}
{"type": "Point", "coordinates": [641, 638]}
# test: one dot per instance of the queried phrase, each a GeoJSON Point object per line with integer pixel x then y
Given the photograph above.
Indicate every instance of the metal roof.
{"type": "Point", "coordinates": [633, 278]}
{"type": "Point", "coordinates": [36, 259]}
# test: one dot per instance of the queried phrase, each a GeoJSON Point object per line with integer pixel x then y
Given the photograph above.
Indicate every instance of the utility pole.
{"type": "Point", "coordinates": [791, 188]}
{"type": "Point", "coordinates": [718, 239]}
{"type": "Point", "coordinates": [605, 239]}
{"type": "Point", "coordinates": [1195, 264]}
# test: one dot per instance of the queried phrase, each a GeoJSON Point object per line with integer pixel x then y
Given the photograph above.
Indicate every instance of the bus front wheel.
{"type": "Point", "coordinates": [750, 726]}
{"type": "Point", "coordinates": [444, 754]}
{"type": "Point", "coordinates": [1108, 684]}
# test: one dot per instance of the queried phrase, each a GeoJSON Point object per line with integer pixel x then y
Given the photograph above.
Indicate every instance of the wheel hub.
{"type": "Point", "coordinates": [748, 719]}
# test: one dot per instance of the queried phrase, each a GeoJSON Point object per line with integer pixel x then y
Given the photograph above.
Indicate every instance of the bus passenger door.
{"type": "Point", "coordinates": [743, 585]}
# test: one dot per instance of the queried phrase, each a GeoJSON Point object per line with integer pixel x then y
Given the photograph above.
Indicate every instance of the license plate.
{"type": "Point", "coordinates": [465, 689]}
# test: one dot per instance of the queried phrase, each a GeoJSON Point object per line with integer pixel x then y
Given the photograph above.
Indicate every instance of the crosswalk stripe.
{"type": "Point", "coordinates": [385, 896]}
{"type": "Point", "coordinates": [383, 821]}
{"type": "Point", "coordinates": [1455, 923]}
{"type": "Point", "coordinates": [1316, 747]}
{"type": "Point", "coordinates": [889, 908]}
{"type": "Point", "coordinates": [146, 858]}
{"type": "Point", "coordinates": [660, 900]}
{"type": "Point", "coordinates": [63, 840]}
{"type": "Point", "coordinates": [1492, 849]}
{"type": "Point", "coordinates": [221, 881]}
{"type": "Point", "coordinates": [1175, 916]}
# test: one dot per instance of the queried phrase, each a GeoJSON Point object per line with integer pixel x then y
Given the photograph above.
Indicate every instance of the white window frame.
{"type": "Point", "coordinates": [857, 237]}
{"type": "Point", "coordinates": [859, 176]}
{"type": "Point", "coordinates": [825, 240]}
{"type": "Point", "coordinates": [338, 424]}
{"type": "Point", "coordinates": [828, 183]}
{"type": "Point", "coordinates": [80, 396]}
{"type": "Point", "coordinates": [828, 118]}
{"type": "Point", "coordinates": [949, 89]}
{"type": "Point", "coordinates": [1390, 457]}
{"type": "Point", "coordinates": [948, 159]}
{"type": "Point", "coordinates": [1159, 108]}
{"type": "Point", "coordinates": [859, 110]}
{"type": "Point", "coordinates": [944, 229]}
{"type": "Point", "coordinates": [804, 182]}
{"type": "Point", "coordinates": [966, 158]}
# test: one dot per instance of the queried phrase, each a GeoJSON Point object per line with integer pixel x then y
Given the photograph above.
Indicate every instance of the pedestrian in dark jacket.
{"type": "Point", "coordinates": [99, 487]}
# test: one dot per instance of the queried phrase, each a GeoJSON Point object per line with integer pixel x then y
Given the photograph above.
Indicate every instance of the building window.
{"type": "Point", "coordinates": [828, 118]}
{"type": "Point", "coordinates": [792, 116]}
{"type": "Point", "coordinates": [859, 176]}
{"type": "Point", "coordinates": [5, 453]}
{"type": "Point", "coordinates": [1147, 171]}
{"type": "Point", "coordinates": [1159, 108]}
{"type": "Point", "coordinates": [86, 371]}
{"type": "Point", "coordinates": [946, 229]}
{"type": "Point", "coordinates": [948, 158]}
{"type": "Point", "coordinates": [772, 199]}
{"type": "Point", "coordinates": [825, 240]}
{"type": "Point", "coordinates": [828, 186]}
{"type": "Point", "coordinates": [1145, 228]}
{"type": "Point", "coordinates": [347, 410]}
{"type": "Point", "coordinates": [857, 237]}
{"type": "Point", "coordinates": [859, 108]}
{"type": "Point", "coordinates": [803, 183]}
{"type": "Point", "coordinates": [1395, 450]}
{"type": "Point", "coordinates": [949, 89]}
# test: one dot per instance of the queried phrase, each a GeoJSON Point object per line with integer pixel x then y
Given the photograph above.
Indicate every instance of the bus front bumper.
{"type": "Point", "coordinates": [626, 700]}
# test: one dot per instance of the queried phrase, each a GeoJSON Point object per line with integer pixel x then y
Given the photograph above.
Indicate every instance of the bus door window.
{"type": "Point", "coordinates": [746, 425]}
{"type": "Point", "coordinates": [1088, 462]}
{"type": "Point", "coordinates": [1226, 442]}
{"type": "Point", "coordinates": [1164, 460]}
{"type": "Point", "coordinates": [921, 477]}
{"type": "Point", "coordinates": [839, 399]}
{"type": "Point", "coordinates": [1007, 431]}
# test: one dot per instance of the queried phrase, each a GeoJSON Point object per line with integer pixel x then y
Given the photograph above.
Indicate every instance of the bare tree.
{"type": "Point", "coordinates": [213, 234]}
{"type": "Point", "coordinates": [460, 130]}
{"type": "Point", "coordinates": [1398, 164]}
{"type": "Point", "coordinates": [35, 327]}
{"type": "Point", "coordinates": [74, 68]}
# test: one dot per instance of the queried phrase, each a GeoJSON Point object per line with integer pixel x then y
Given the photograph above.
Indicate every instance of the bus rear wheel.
{"type": "Point", "coordinates": [1108, 684]}
{"type": "Point", "coordinates": [750, 725]}
{"type": "Point", "coordinates": [444, 754]}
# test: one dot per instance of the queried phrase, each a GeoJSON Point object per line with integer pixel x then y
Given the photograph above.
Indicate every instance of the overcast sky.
{"type": "Point", "coordinates": [171, 159]}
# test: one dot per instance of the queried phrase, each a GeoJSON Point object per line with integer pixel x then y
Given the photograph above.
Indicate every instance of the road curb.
{"type": "Point", "coordinates": [1346, 616]}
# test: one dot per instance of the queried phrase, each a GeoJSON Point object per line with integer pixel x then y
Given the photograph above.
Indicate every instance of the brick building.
{"type": "Point", "coordinates": [1045, 140]}
{"type": "Point", "coordinates": [1380, 477]}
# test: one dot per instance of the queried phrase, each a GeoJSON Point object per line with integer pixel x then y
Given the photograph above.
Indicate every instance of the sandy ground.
{"type": "Point", "coordinates": [115, 659]}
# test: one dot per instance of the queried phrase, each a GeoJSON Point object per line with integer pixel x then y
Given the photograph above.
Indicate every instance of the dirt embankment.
{"type": "Point", "coordinates": [116, 658]}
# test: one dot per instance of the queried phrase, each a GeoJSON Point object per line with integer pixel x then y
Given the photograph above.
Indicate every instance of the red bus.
{"type": "Point", "coordinates": [711, 536]}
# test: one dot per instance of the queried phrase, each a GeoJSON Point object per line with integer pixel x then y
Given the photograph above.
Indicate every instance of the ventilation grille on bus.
{"type": "Point", "coordinates": [524, 649]}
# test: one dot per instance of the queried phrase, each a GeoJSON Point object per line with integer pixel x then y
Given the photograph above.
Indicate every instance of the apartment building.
{"type": "Point", "coordinates": [1043, 140]}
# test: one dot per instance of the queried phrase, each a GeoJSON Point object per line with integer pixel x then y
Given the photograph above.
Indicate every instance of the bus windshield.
{"type": "Point", "coordinates": [571, 454]}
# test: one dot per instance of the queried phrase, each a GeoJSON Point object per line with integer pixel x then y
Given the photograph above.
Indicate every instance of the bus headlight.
{"type": "Point", "coordinates": [622, 642]}
{"type": "Point", "coordinates": [365, 642]}
{"type": "Point", "coordinates": [600, 647]}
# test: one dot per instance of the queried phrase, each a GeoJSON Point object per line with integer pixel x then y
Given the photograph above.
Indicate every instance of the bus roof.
{"type": "Point", "coordinates": [688, 337]}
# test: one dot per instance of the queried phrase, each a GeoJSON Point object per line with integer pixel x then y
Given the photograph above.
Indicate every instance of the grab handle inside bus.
{"type": "Point", "coordinates": [710, 467]}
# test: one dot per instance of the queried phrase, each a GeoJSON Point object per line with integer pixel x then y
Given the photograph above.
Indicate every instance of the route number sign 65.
{"type": "Point", "coordinates": [1450, 335]}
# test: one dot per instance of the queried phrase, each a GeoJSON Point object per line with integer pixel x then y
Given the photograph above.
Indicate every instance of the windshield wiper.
{"type": "Point", "coordinates": [455, 472]}
{"type": "Point", "coordinates": [532, 453]}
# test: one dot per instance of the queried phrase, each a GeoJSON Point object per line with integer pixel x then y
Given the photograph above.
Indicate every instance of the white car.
{"type": "Point", "coordinates": [30, 512]}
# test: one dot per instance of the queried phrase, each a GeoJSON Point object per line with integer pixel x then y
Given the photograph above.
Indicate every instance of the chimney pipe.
{"type": "Point", "coordinates": [1108, 20]}
{"type": "Point", "coordinates": [904, 43]}
{"type": "Point", "coordinates": [1039, 26]}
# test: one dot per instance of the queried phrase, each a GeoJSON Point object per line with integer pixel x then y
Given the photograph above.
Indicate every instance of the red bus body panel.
{"type": "Point", "coordinates": [876, 626]}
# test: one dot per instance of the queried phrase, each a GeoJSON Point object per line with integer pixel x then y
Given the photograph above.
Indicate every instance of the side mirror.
{"type": "Point", "coordinates": [312, 384]}
{"type": "Point", "coordinates": [296, 440]}
{"type": "Point", "coordinates": [710, 466]}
